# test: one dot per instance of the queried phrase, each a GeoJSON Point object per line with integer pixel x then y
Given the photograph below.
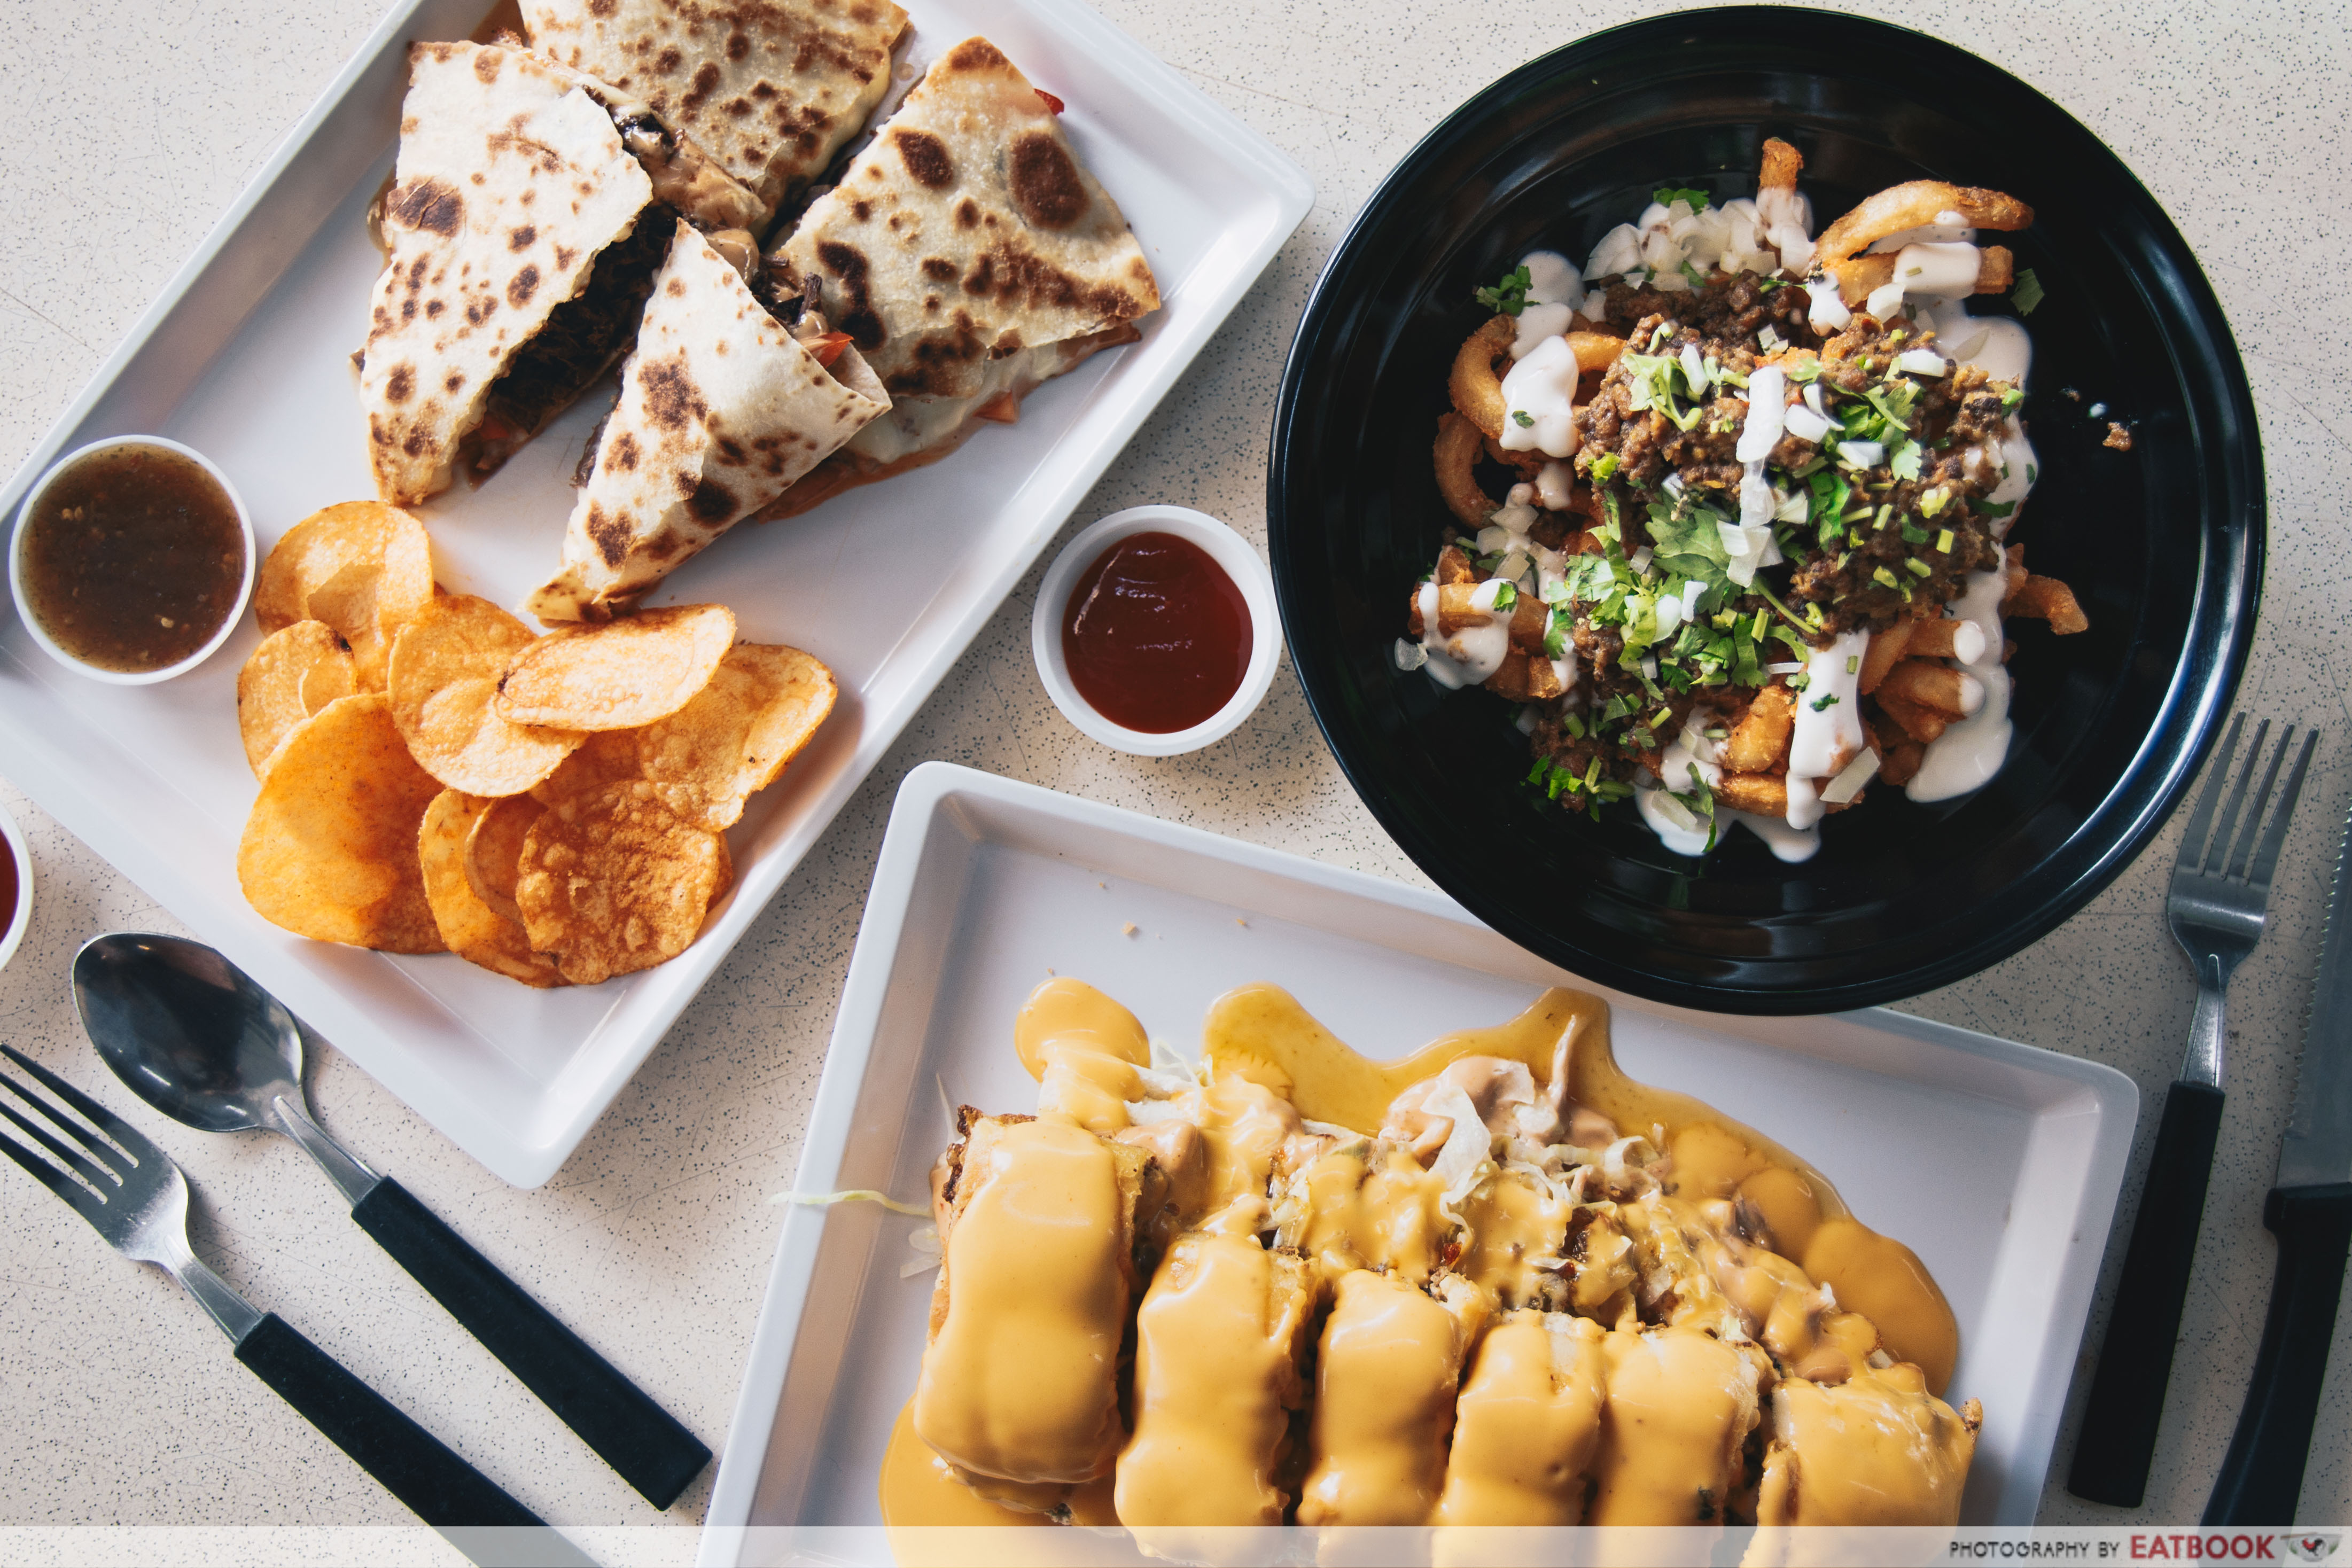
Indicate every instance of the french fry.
{"type": "Point", "coordinates": [1594, 350]}
{"type": "Point", "coordinates": [1759, 741]}
{"type": "Point", "coordinates": [2047, 599]}
{"type": "Point", "coordinates": [1947, 639]}
{"type": "Point", "coordinates": [1858, 276]}
{"type": "Point", "coordinates": [1760, 794]}
{"type": "Point", "coordinates": [1524, 677]}
{"type": "Point", "coordinates": [1453, 566]}
{"type": "Point", "coordinates": [1782, 164]}
{"type": "Point", "coordinates": [1885, 650]}
{"type": "Point", "coordinates": [1922, 725]}
{"type": "Point", "coordinates": [1476, 391]}
{"type": "Point", "coordinates": [1455, 611]}
{"type": "Point", "coordinates": [1902, 764]}
{"type": "Point", "coordinates": [1453, 456]}
{"type": "Point", "coordinates": [1950, 694]}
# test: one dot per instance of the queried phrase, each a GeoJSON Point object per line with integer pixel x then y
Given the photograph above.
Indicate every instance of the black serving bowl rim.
{"type": "Point", "coordinates": [2202, 679]}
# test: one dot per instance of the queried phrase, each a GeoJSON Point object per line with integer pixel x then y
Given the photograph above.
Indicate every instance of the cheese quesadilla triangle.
{"type": "Point", "coordinates": [772, 89]}
{"type": "Point", "coordinates": [510, 185]}
{"type": "Point", "coordinates": [721, 408]}
{"type": "Point", "coordinates": [970, 257]}
{"type": "Point", "coordinates": [516, 260]}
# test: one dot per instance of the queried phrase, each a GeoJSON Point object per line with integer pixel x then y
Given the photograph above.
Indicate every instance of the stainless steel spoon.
{"type": "Point", "coordinates": [193, 1036]}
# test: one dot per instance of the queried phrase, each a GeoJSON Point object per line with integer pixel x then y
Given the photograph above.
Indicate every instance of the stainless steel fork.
{"type": "Point", "coordinates": [134, 1197]}
{"type": "Point", "coordinates": [2221, 887]}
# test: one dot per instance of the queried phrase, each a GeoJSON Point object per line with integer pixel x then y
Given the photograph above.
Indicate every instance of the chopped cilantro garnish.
{"type": "Point", "coordinates": [1822, 703]}
{"type": "Point", "coordinates": [1667, 196]}
{"type": "Point", "coordinates": [1913, 535]}
{"type": "Point", "coordinates": [1770, 284]}
{"type": "Point", "coordinates": [1605, 465]}
{"type": "Point", "coordinates": [1697, 279]}
{"type": "Point", "coordinates": [1995, 508]}
{"type": "Point", "coordinates": [1523, 419]}
{"type": "Point", "coordinates": [2028, 292]}
{"type": "Point", "coordinates": [1505, 595]}
{"type": "Point", "coordinates": [2010, 399]}
{"type": "Point", "coordinates": [1509, 296]}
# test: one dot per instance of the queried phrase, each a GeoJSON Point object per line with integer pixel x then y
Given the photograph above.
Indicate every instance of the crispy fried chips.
{"type": "Point", "coordinates": [435, 776]}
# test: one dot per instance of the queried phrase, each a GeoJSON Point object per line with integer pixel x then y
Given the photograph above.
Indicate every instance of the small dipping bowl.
{"type": "Point", "coordinates": [16, 886]}
{"type": "Point", "coordinates": [1221, 545]}
{"type": "Point", "coordinates": [18, 544]}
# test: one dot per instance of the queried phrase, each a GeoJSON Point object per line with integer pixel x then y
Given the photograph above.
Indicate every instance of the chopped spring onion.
{"type": "Point", "coordinates": [1944, 542]}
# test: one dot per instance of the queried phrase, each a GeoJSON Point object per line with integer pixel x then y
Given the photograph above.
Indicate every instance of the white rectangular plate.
{"type": "Point", "coordinates": [1999, 1163]}
{"type": "Point", "coordinates": [246, 358]}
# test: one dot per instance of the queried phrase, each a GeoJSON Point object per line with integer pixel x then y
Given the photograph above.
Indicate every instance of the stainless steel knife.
{"type": "Point", "coordinates": [2310, 1211]}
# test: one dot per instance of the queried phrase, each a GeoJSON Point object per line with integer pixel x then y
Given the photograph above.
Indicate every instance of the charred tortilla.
{"type": "Point", "coordinates": [721, 409]}
{"type": "Point", "coordinates": [968, 256]}
{"type": "Point", "coordinates": [510, 184]}
{"type": "Point", "coordinates": [772, 89]}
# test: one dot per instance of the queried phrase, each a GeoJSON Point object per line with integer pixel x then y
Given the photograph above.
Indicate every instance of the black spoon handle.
{"type": "Point", "coordinates": [2118, 1434]}
{"type": "Point", "coordinates": [415, 1466]}
{"type": "Point", "coordinates": [2262, 1477]}
{"type": "Point", "coordinates": [646, 1445]}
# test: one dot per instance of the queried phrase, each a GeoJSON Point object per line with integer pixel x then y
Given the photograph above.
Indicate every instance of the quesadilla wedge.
{"type": "Point", "coordinates": [721, 408]}
{"type": "Point", "coordinates": [516, 260]}
{"type": "Point", "coordinates": [772, 89]}
{"type": "Point", "coordinates": [970, 257]}
{"type": "Point", "coordinates": [510, 189]}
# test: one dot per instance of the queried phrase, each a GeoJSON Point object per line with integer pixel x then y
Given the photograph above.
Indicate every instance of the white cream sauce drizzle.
{"type": "Point", "coordinates": [1828, 732]}
{"type": "Point", "coordinates": [1473, 652]}
{"type": "Point", "coordinates": [1968, 754]}
{"type": "Point", "coordinates": [1539, 400]}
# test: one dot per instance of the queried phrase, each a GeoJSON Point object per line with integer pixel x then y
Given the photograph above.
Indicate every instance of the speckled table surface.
{"type": "Point", "coordinates": [120, 1406]}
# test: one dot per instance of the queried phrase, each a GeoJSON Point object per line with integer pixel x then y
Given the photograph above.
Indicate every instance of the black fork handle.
{"type": "Point", "coordinates": [650, 1447]}
{"type": "Point", "coordinates": [437, 1485]}
{"type": "Point", "coordinates": [2118, 1437]}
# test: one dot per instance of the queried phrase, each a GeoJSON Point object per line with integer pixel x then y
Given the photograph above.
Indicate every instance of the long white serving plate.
{"type": "Point", "coordinates": [1998, 1162]}
{"type": "Point", "coordinates": [245, 356]}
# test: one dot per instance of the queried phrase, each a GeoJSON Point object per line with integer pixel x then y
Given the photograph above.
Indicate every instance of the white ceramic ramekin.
{"type": "Point", "coordinates": [16, 550]}
{"type": "Point", "coordinates": [1224, 547]}
{"type": "Point", "coordinates": [18, 851]}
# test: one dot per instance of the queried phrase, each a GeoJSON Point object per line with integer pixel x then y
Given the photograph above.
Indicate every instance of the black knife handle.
{"type": "Point", "coordinates": [2261, 1476]}
{"type": "Point", "coordinates": [414, 1465]}
{"type": "Point", "coordinates": [648, 1446]}
{"type": "Point", "coordinates": [2118, 1434]}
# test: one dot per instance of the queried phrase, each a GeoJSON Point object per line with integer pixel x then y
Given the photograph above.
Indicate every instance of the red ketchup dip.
{"type": "Point", "coordinates": [1156, 636]}
{"type": "Point", "coordinates": [10, 890]}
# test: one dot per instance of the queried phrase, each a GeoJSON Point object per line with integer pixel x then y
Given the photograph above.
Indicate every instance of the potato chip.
{"type": "Point", "coordinates": [473, 930]}
{"type": "Point", "coordinates": [734, 738]}
{"type": "Point", "coordinates": [361, 567]}
{"type": "Point", "coordinates": [614, 882]}
{"type": "Point", "coordinates": [274, 689]}
{"type": "Point", "coordinates": [610, 756]}
{"type": "Point", "coordinates": [330, 849]}
{"type": "Point", "coordinates": [619, 675]}
{"type": "Point", "coordinates": [494, 853]}
{"type": "Point", "coordinates": [445, 667]}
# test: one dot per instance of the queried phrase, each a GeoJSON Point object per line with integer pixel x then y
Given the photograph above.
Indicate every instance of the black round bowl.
{"type": "Point", "coordinates": [2162, 543]}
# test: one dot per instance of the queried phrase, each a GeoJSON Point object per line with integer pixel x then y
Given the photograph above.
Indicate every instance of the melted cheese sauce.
{"type": "Point", "coordinates": [1216, 1376]}
{"type": "Point", "coordinates": [1396, 1202]}
{"type": "Point", "coordinates": [1019, 1382]}
{"type": "Point", "coordinates": [1527, 1424]}
{"type": "Point", "coordinates": [1384, 1383]}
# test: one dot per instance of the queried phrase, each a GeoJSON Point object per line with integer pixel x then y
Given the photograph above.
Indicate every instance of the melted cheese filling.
{"type": "Point", "coordinates": [1524, 1288]}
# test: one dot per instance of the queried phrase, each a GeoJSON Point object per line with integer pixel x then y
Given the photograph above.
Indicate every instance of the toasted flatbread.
{"type": "Point", "coordinates": [771, 89]}
{"type": "Point", "coordinates": [509, 184]}
{"type": "Point", "coordinates": [968, 256]}
{"type": "Point", "coordinates": [720, 409]}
